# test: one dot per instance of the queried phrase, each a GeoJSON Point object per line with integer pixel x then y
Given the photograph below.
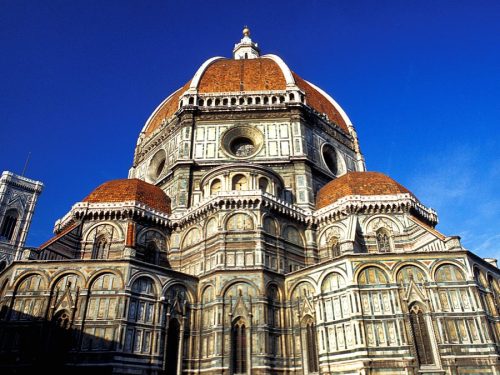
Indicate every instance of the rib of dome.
{"type": "Point", "coordinates": [264, 74]}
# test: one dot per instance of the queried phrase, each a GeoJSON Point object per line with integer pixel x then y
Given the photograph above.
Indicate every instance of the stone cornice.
{"type": "Point", "coordinates": [239, 199]}
{"type": "Point", "coordinates": [112, 211]}
{"type": "Point", "coordinates": [21, 182]}
{"type": "Point", "coordinates": [394, 203]}
{"type": "Point", "coordinates": [250, 199]}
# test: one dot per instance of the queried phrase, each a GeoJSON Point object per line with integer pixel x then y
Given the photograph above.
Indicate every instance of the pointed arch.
{"type": "Point", "coordinates": [239, 346]}
{"type": "Point", "coordinates": [9, 224]}
{"type": "Point", "coordinates": [384, 241]}
{"type": "Point", "coordinates": [421, 334]}
{"type": "Point", "coordinates": [101, 247]}
{"type": "Point", "coordinates": [309, 345]}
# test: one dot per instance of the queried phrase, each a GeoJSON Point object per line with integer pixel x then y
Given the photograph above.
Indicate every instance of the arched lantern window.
{"type": "Point", "coordinates": [383, 240]}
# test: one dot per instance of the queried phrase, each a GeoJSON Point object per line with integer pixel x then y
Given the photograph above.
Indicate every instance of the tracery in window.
{"type": "Point", "coordinates": [335, 246]}
{"type": "Point", "coordinates": [100, 248]}
{"type": "Point", "coordinates": [383, 241]}
{"type": "Point", "coordinates": [421, 336]}
{"type": "Point", "coordinates": [239, 347]}
{"type": "Point", "coordinates": [242, 147]}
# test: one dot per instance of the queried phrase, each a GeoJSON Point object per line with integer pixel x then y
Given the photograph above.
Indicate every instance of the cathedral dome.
{"type": "Point", "coordinates": [125, 190]}
{"type": "Point", "coordinates": [267, 78]}
{"type": "Point", "coordinates": [358, 183]}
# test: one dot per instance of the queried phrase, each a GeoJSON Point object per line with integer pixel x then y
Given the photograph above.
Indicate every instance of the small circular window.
{"type": "Point", "coordinates": [330, 158]}
{"type": "Point", "coordinates": [157, 165]}
{"type": "Point", "coordinates": [242, 141]}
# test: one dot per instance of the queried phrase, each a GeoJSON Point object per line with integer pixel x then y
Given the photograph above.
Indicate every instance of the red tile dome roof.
{"type": "Point", "coordinates": [358, 183]}
{"type": "Point", "coordinates": [266, 73]}
{"type": "Point", "coordinates": [228, 75]}
{"type": "Point", "coordinates": [131, 190]}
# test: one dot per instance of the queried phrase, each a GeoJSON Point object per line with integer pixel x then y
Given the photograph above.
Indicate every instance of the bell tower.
{"type": "Point", "coordinates": [18, 196]}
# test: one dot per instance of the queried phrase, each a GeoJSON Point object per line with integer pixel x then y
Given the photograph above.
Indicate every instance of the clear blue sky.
{"type": "Point", "coordinates": [419, 79]}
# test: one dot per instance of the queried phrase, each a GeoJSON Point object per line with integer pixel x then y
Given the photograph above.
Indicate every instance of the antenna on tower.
{"type": "Point", "coordinates": [26, 164]}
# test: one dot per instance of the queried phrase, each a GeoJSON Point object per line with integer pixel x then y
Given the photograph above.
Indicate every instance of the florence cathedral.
{"type": "Point", "coordinates": [248, 238]}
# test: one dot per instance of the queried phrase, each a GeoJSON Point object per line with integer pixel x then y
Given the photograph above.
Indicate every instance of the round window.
{"type": "Point", "coordinates": [242, 141]}
{"type": "Point", "coordinates": [330, 159]}
{"type": "Point", "coordinates": [156, 165]}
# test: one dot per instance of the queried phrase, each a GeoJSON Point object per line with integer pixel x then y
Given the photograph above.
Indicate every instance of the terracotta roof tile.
{"type": "Point", "coordinates": [227, 75]}
{"type": "Point", "coordinates": [167, 110]}
{"type": "Point", "coordinates": [358, 183]}
{"type": "Point", "coordinates": [131, 190]}
{"type": "Point", "coordinates": [321, 104]}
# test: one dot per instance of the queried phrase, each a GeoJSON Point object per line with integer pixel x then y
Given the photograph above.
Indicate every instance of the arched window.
{"type": "Point", "coordinates": [9, 224]}
{"type": "Point", "coordinates": [421, 336]}
{"type": "Point", "coordinates": [239, 347]}
{"type": "Point", "coordinates": [240, 182]}
{"type": "Point", "coordinates": [172, 349]}
{"type": "Point", "coordinates": [263, 184]}
{"type": "Point", "coordinates": [215, 187]}
{"type": "Point", "coordinates": [410, 272]}
{"type": "Point", "coordinates": [372, 276]}
{"type": "Point", "coordinates": [100, 247]}
{"type": "Point", "coordinates": [449, 273]}
{"type": "Point", "coordinates": [311, 349]}
{"type": "Point", "coordinates": [383, 241]}
{"type": "Point", "coordinates": [335, 246]}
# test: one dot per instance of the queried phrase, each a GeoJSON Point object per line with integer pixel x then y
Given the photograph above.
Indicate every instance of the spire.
{"type": "Point", "coordinates": [246, 49]}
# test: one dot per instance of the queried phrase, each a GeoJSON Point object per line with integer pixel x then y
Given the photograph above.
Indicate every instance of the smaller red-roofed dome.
{"type": "Point", "coordinates": [358, 183]}
{"type": "Point", "coordinates": [131, 190]}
